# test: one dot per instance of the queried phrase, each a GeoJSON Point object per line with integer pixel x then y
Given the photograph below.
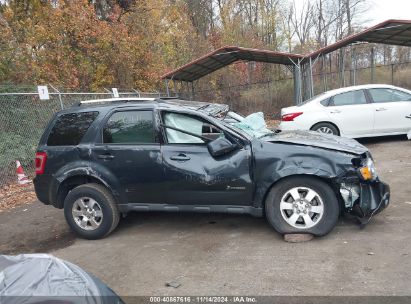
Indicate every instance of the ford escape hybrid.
{"type": "Point", "coordinates": [104, 158]}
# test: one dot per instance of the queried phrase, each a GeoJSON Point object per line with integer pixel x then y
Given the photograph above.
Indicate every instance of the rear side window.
{"type": "Point", "coordinates": [388, 95]}
{"type": "Point", "coordinates": [130, 127]}
{"type": "Point", "coordinates": [69, 129]}
{"type": "Point", "coordinates": [325, 102]}
{"type": "Point", "coordinates": [349, 98]}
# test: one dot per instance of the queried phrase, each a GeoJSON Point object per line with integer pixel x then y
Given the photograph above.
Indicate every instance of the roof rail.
{"type": "Point", "coordinates": [110, 100]}
{"type": "Point", "coordinates": [170, 98]}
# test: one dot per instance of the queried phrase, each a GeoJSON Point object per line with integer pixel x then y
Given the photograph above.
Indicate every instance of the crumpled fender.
{"type": "Point", "coordinates": [273, 162]}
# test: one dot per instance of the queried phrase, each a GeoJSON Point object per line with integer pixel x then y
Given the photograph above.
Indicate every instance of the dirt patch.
{"type": "Point", "coordinates": [34, 245]}
{"type": "Point", "coordinates": [33, 228]}
{"type": "Point", "coordinates": [14, 195]}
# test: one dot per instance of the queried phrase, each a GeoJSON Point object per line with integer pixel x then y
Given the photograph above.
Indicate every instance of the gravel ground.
{"type": "Point", "coordinates": [215, 254]}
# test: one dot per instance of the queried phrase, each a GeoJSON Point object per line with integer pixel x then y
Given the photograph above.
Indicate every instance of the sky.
{"type": "Point", "coordinates": [382, 10]}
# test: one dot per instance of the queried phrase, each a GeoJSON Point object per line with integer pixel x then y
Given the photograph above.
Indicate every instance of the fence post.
{"type": "Point", "coordinates": [108, 91]}
{"type": "Point", "coordinates": [59, 93]}
{"type": "Point", "coordinates": [138, 92]}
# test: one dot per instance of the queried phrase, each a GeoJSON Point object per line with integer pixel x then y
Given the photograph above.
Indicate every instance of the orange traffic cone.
{"type": "Point", "coordinates": [21, 177]}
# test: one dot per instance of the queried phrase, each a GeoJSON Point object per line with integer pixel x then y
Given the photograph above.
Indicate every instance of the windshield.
{"type": "Point", "coordinates": [254, 125]}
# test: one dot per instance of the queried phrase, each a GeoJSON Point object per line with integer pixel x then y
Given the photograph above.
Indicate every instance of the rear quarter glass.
{"type": "Point", "coordinates": [69, 129]}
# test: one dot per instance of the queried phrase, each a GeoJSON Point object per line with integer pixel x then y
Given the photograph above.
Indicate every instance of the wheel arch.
{"type": "Point", "coordinates": [328, 181]}
{"type": "Point", "coordinates": [73, 181]}
{"type": "Point", "coordinates": [327, 122]}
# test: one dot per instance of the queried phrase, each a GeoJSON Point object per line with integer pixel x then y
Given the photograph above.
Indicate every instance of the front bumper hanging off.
{"type": "Point", "coordinates": [374, 197]}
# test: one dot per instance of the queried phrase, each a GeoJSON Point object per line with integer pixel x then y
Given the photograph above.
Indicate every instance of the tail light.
{"type": "Point", "coordinates": [290, 116]}
{"type": "Point", "coordinates": [40, 162]}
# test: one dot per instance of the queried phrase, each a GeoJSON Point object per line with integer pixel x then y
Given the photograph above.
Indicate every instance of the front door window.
{"type": "Point", "coordinates": [185, 129]}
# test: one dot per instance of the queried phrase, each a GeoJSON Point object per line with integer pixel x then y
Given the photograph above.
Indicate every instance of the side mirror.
{"type": "Point", "coordinates": [220, 146]}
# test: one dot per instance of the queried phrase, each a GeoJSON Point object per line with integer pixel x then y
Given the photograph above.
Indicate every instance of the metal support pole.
{"type": "Point", "coordinates": [392, 74]}
{"type": "Point", "coordinates": [342, 67]}
{"type": "Point", "coordinates": [167, 89]}
{"type": "Point", "coordinates": [187, 93]}
{"type": "Point", "coordinates": [372, 60]}
{"type": "Point", "coordinates": [192, 91]}
{"type": "Point", "coordinates": [353, 67]}
{"type": "Point", "coordinates": [180, 89]}
{"type": "Point", "coordinates": [175, 88]}
{"type": "Point", "coordinates": [310, 74]}
{"type": "Point", "coordinates": [324, 72]}
{"type": "Point", "coordinates": [297, 83]}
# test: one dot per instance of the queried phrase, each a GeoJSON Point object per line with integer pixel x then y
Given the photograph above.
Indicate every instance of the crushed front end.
{"type": "Point", "coordinates": [363, 193]}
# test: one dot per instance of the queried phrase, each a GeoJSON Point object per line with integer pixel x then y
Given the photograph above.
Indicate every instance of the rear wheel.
{"type": "Point", "coordinates": [326, 128]}
{"type": "Point", "coordinates": [91, 211]}
{"type": "Point", "coordinates": [302, 205]}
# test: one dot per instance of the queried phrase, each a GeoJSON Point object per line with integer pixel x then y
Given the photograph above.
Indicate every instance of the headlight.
{"type": "Point", "coordinates": [368, 172]}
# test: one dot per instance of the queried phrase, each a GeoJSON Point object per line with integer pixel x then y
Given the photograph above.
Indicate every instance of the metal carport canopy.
{"type": "Point", "coordinates": [225, 56]}
{"type": "Point", "coordinates": [392, 32]}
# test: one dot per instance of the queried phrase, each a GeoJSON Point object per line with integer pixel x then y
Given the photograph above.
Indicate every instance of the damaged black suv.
{"type": "Point", "coordinates": [104, 158]}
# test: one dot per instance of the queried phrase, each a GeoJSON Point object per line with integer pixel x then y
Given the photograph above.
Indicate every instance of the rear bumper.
{"type": "Point", "coordinates": [42, 187]}
{"type": "Point", "coordinates": [374, 197]}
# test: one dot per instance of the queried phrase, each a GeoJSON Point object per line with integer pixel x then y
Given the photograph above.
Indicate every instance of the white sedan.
{"type": "Point", "coordinates": [359, 111]}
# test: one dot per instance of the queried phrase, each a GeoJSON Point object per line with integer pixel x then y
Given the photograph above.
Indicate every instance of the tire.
{"type": "Point", "coordinates": [325, 127]}
{"type": "Point", "coordinates": [98, 201]}
{"type": "Point", "coordinates": [324, 198]}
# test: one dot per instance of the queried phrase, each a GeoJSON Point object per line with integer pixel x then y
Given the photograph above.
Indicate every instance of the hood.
{"type": "Point", "coordinates": [315, 139]}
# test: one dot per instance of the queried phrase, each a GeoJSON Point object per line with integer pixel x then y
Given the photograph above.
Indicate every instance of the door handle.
{"type": "Point", "coordinates": [180, 157]}
{"type": "Point", "coordinates": [335, 111]}
{"type": "Point", "coordinates": [408, 116]}
{"type": "Point", "coordinates": [105, 156]}
{"type": "Point", "coordinates": [381, 109]}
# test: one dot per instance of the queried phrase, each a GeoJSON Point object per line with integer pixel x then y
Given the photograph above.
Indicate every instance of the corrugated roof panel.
{"type": "Point", "coordinates": [395, 32]}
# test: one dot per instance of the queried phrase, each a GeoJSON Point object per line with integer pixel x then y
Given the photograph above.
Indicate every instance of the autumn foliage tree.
{"type": "Point", "coordinates": [96, 44]}
{"type": "Point", "coordinates": [66, 43]}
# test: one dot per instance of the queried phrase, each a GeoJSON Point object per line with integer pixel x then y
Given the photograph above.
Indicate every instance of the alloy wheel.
{"type": "Point", "coordinates": [87, 213]}
{"type": "Point", "coordinates": [302, 207]}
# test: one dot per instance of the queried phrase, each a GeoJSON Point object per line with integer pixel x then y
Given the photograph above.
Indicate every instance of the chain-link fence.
{"type": "Point", "coordinates": [23, 117]}
{"type": "Point", "coordinates": [270, 96]}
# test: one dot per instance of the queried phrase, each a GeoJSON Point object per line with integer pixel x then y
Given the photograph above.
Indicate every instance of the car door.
{"type": "Point", "coordinates": [352, 113]}
{"type": "Point", "coordinates": [392, 108]}
{"type": "Point", "coordinates": [193, 176]}
{"type": "Point", "coordinates": [130, 152]}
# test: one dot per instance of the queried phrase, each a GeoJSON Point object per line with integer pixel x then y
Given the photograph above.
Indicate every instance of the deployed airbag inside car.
{"type": "Point", "coordinates": [254, 124]}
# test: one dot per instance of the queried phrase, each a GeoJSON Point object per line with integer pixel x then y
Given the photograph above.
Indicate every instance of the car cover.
{"type": "Point", "coordinates": [43, 278]}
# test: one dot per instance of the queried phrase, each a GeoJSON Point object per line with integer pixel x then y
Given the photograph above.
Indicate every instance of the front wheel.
{"type": "Point", "coordinates": [91, 211]}
{"type": "Point", "coordinates": [302, 205]}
